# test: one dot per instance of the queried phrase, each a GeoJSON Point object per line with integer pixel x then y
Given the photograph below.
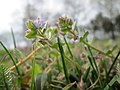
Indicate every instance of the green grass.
{"type": "Point", "coordinates": [56, 64]}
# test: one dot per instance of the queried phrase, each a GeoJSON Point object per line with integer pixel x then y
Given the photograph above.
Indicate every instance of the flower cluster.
{"type": "Point", "coordinates": [38, 30]}
{"type": "Point", "coordinates": [39, 23]}
{"type": "Point", "coordinates": [35, 28]}
{"type": "Point", "coordinates": [65, 24]}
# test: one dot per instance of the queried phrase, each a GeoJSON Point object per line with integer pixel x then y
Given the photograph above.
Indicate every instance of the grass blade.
{"type": "Point", "coordinates": [93, 60]}
{"type": "Point", "coordinates": [63, 61]}
{"type": "Point", "coordinates": [86, 74]}
{"type": "Point", "coordinates": [10, 57]}
{"type": "Point", "coordinates": [68, 47]}
{"type": "Point", "coordinates": [113, 63]}
{"type": "Point", "coordinates": [33, 69]}
{"type": "Point", "coordinates": [14, 41]}
{"type": "Point", "coordinates": [13, 37]}
{"type": "Point", "coordinates": [95, 64]}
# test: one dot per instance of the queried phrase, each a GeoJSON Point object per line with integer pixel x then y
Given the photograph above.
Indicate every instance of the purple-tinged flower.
{"type": "Point", "coordinates": [39, 23]}
{"type": "Point", "coordinates": [42, 22]}
{"type": "Point", "coordinates": [36, 23]}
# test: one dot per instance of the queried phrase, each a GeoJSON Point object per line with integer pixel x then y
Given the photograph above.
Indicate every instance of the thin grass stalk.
{"type": "Point", "coordinates": [63, 61]}
{"type": "Point", "coordinates": [96, 73]}
{"type": "Point", "coordinates": [33, 76]}
{"type": "Point", "coordinates": [77, 69]}
{"type": "Point", "coordinates": [58, 65]}
{"type": "Point", "coordinates": [14, 41]}
{"type": "Point", "coordinates": [68, 47]}
{"type": "Point", "coordinates": [86, 43]}
{"type": "Point", "coordinates": [33, 69]}
{"type": "Point", "coordinates": [93, 59]}
{"type": "Point", "coordinates": [86, 74]}
{"type": "Point", "coordinates": [94, 62]}
{"type": "Point", "coordinates": [113, 64]}
{"type": "Point", "coordinates": [92, 65]}
{"type": "Point", "coordinates": [13, 37]}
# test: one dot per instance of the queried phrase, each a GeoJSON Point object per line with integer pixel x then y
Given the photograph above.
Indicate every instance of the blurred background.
{"type": "Point", "coordinates": [100, 17]}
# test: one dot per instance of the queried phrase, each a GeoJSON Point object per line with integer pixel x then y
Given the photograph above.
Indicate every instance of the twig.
{"type": "Point", "coordinates": [25, 59]}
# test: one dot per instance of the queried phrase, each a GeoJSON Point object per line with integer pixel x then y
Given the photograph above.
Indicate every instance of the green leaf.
{"type": "Point", "coordinates": [111, 51]}
{"type": "Point", "coordinates": [81, 39]}
{"type": "Point", "coordinates": [37, 70]}
{"type": "Point", "coordinates": [55, 30]}
{"type": "Point", "coordinates": [85, 35]}
{"type": "Point", "coordinates": [31, 35]}
{"type": "Point", "coordinates": [54, 53]}
{"type": "Point", "coordinates": [55, 46]}
{"type": "Point", "coordinates": [65, 29]}
{"type": "Point", "coordinates": [30, 25]}
{"type": "Point", "coordinates": [40, 81]}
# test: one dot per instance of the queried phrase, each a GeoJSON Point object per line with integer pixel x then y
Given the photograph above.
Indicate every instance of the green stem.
{"type": "Point", "coordinates": [33, 69]}
{"type": "Point", "coordinates": [98, 50]}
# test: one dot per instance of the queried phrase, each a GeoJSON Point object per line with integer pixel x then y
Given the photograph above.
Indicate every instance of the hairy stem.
{"type": "Point", "coordinates": [25, 59]}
